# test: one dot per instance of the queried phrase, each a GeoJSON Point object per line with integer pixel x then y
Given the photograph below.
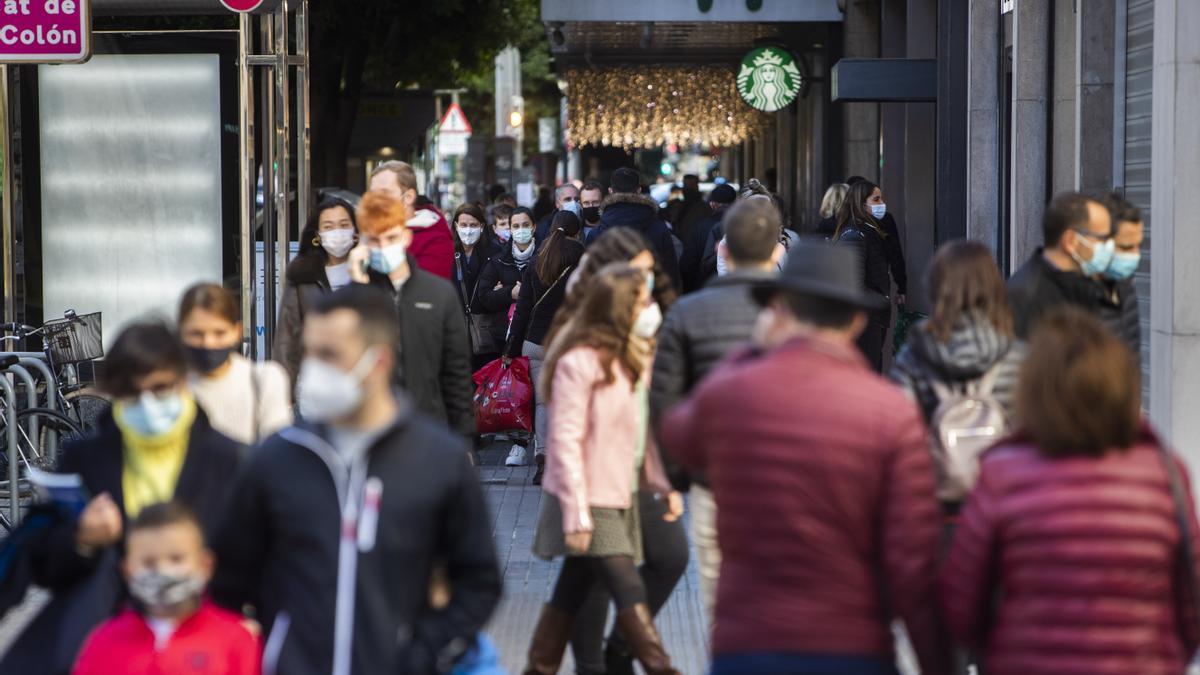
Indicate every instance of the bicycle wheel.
{"type": "Point", "coordinates": [38, 433]}
{"type": "Point", "coordinates": [86, 407]}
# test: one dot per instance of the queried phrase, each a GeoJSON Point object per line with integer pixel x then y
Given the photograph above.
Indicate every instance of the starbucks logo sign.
{"type": "Point", "coordinates": [769, 79]}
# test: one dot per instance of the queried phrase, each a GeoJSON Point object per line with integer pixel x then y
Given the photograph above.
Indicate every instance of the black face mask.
{"type": "Point", "coordinates": [591, 214]}
{"type": "Point", "coordinates": [207, 360]}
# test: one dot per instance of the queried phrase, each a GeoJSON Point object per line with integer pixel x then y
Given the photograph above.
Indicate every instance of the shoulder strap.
{"type": "Point", "coordinates": [1187, 540]}
{"type": "Point", "coordinates": [566, 269]}
{"type": "Point", "coordinates": [462, 287]}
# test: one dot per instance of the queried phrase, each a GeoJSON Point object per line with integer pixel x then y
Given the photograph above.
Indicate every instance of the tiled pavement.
{"type": "Point", "coordinates": [528, 580]}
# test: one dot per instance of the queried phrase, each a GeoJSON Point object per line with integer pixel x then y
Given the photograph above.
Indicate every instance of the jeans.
{"type": "Point", "coordinates": [871, 342]}
{"type": "Point", "coordinates": [785, 663]}
{"type": "Point", "coordinates": [537, 356]}
{"type": "Point", "coordinates": [704, 535]}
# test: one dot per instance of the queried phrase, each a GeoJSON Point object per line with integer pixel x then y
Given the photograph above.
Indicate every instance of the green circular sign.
{"type": "Point", "coordinates": [769, 79]}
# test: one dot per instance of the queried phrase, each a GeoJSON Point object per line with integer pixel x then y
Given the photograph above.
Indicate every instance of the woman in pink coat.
{"type": "Point", "coordinates": [1069, 559]}
{"type": "Point", "coordinates": [599, 454]}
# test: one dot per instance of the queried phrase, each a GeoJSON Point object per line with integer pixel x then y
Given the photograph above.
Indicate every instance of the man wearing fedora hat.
{"type": "Point", "coordinates": [823, 482]}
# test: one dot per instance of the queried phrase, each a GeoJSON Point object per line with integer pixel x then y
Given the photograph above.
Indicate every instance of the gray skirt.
{"type": "Point", "coordinates": [614, 531]}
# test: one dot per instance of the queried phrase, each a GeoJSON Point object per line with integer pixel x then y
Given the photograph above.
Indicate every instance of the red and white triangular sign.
{"type": "Point", "coordinates": [454, 121]}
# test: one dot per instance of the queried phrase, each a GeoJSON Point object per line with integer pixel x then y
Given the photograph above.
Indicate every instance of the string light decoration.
{"type": "Point", "coordinates": [651, 106]}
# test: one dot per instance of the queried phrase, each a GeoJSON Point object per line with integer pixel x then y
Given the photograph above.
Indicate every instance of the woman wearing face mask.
{"type": "Point", "coordinates": [859, 228]}
{"type": "Point", "coordinates": [321, 267]}
{"type": "Point", "coordinates": [600, 455]}
{"type": "Point", "coordinates": [244, 400]}
{"type": "Point", "coordinates": [664, 541]}
{"type": "Point", "coordinates": [474, 245]}
{"type": "Point", "coordinates": [154, 445]}
{"type": "Point", "coordinates": [539, 294]}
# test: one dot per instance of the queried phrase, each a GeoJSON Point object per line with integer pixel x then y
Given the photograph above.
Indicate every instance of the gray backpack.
{"type": "Point", "coordinates": [966, 421]}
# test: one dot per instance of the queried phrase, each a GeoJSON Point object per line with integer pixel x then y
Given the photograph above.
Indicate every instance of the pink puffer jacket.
{"type": "Point", "coordinates": [1073, 563]}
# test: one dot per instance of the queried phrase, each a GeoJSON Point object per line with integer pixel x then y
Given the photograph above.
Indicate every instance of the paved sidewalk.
{"type": "Point", "coordinates": [528, 580]}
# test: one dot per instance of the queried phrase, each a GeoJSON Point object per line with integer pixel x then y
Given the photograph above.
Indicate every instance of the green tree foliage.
{"type": "Point", "coordinates": [377, 46]}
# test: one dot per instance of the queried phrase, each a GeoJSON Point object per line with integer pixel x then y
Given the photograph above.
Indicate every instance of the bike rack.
{"type": "Point", "coordinates": [39, 364]}
{"type": "Point", "coordinates": [30, 399]}
{"type": "Point", "coordinates": [14, 457]}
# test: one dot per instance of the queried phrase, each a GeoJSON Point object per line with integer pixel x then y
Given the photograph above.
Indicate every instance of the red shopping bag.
{"type": "Point", "coordinates": [504, 397]}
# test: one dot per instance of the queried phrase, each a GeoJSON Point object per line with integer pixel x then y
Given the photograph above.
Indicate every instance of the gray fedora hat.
{"type": "Point", "coordinates": [817, 268]}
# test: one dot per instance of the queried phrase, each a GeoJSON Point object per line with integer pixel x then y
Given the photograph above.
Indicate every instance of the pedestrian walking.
{"type": "Point", "coordinates": [542, 290]}
{"type": "Point", "coordinates": [338, 522]}
{"type": "Point", "coordinates": [664, 541]}
{"type": "Point", "coordinates": [963, 359]}
{"type": "Point", "coordinates": [823, 483]}
{"type": "Point", "coordinates": [692, 266]}
{"type": "Point", "coordinates": [591, 195]}
{"type": "Point", "coordinates": [699, 331]}
{"type": "Point", "coordinates": [154, 444]}
{"type": "Point", "coordinates": [1077, 249]}
{"type": "Point", "coordinates": [1070, 557]}
{"type": "Point", "coordinates": [599, 450]}
{"type": "Point", "coordinates": [626, 206]}
{"type": "Point", "coordinates": [831, 203]}
{"type": "Point", "coordinates": [169, 627]}
{"type": "Point", "coordinates": [432, 246]}
{"type": "Point", "coordinates": [321, 266]}
{"type": "Point", "coordinates": [435, 361]}
{"type": "Point", "coordinates": [1119, 309]}
{"type": "Point", "coordinates": [244, 400]}
{"type": "Point", "coordinates": [474, 246]}
{"type": "Point", "coordinates": [859, 230]}
{"type": "Point", "coordinates": [714, 257]}
{"type": "Point", "coordinates": [566, 196]}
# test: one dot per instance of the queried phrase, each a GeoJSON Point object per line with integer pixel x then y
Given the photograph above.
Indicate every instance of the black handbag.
{"type": "Point", "coordinates": [479, 326]}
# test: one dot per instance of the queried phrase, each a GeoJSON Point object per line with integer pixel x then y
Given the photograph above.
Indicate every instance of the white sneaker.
{"type": "Point", "coordinates": [516, 456]}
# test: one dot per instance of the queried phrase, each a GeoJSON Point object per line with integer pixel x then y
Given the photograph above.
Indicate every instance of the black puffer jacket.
{"type": "Point", "coordinates": [873, 251]}
{"type": "Point", "coordinates": [974, 348]}
{"type": "Point", "coordinates": [468, 268]}
{"type": "Point", "coordinates": [697, 333]}
{"type": "Point", "coordinates": [502, 269]}
{"type": "Point", "coordinates": [1039, 287]}
{"type": "Point", "coordinates": [640, 212]}
{"type": "Point", "coordinates": [1119, 311]}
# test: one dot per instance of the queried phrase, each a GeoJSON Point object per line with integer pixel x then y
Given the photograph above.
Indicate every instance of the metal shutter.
{"type": "Point", "coordinates": [1139, 81]}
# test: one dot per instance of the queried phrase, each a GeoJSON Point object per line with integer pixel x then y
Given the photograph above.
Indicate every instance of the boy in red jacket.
{"type": "Point", "coordinates": [169, 628]}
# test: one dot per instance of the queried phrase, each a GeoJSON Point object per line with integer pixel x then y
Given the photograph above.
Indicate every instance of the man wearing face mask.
{"type": "Point", "coordinates": [590, 198]}
{"type": "Point", "coordinates": [1078, 249]}
{"type": "Point", "coordinates": [339, 521]}
{"type": "Point", "coordinates": [566, 197]}
{"type": "Point", "coordinates": [435, 349]}
{"type": "Point", "coordinates": [169, 625]}
{"type": "Point", "coordinates": [1119, 310]}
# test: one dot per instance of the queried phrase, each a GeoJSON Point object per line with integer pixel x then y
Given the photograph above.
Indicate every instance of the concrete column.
{"type": "Point", "coordinates": [983, 123]}
{"type": "Point", "coordinates": [1031, 47]}
{"type": "Point", "coordinates": [1063, 137]}
{"type": "Point", "coordinates": [920, 157]}
{"type": "Point", "coordinates": [1094, 68]}
{"type": "Point", "coordinates": [894, 41]}
{"type": "Point", "coordinates": [861, 128]}
{"type": "Point", "coordinates": [1174, 275]}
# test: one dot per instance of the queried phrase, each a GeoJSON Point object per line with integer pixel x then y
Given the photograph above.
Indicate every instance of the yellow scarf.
{"type": "Point", "coordinates": [152, 464]}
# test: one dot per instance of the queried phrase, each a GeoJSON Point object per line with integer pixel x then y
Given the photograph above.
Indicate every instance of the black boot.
{"type": "Point", "coordinates": [617, 658]}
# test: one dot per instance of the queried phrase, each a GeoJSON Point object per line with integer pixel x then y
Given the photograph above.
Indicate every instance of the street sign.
{"type": "Point", "coordinates": [769, 79]}
{"type": "Point", "coordinates": [547, 134]}
{"type": "Point", "coordinates": [45, 31]}
{"type": "Point", "coordinates": [242, 5]}
{"type": "Point", "coordinates": [453, 132]}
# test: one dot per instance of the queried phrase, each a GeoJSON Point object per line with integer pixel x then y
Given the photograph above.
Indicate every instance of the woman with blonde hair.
{"type": "Point", "coordinates": [599, 453]}
{"type": "Point", "coordinates": [830, 204]}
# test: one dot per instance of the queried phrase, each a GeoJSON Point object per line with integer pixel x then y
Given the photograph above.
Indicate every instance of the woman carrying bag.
{"type": "Point", "coordinates": [474, 245]}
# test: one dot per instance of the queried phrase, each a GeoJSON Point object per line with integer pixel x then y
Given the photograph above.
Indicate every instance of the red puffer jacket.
{"type": "Point", "coordinates": [1084, 555]}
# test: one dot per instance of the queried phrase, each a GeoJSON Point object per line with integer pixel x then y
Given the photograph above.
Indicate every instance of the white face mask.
{"type": "Point", "coordinates": [325, 392]}
{"type": "Point", "coordinates": [338, 243]}
{"type": "Point", "coordinates": [647, 322]}
{"type": "Point", "coordinates": [469, 235]}
{"type": "Point", "coordinates": [722, 266]}
{"type": "Point", "coordinates": [523, 236]}
{"type": "Point", "coordinates": [878, 210]}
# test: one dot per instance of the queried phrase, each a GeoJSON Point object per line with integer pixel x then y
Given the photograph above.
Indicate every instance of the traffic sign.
{"type": "Point", "coordinates": [454, 121]}
{"type": "Point", "coordinates": [242, 5]}
{"type": "Point", "coordinates": [45, 31]}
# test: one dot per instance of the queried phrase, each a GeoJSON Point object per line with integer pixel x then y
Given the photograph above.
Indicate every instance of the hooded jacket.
{"type": "Point", "coordinates": [1039, 287]}
{"type": "Point", "coordinates": [630, 209]}
{"type": "Point", "coordinates": [305, 281]}
{"type": "Point", "coordinates": [432, 244]}
{"type": "Point", "coordinates": [336, 553]}
{"type": "Point", "coordinates": [435, 348]}
{"type": "Point", "coordinates": [974, 348]}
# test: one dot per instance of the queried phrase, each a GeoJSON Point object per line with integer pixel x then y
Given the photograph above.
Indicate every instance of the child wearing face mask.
{"type": "Point", "coordinates": [169, 627]}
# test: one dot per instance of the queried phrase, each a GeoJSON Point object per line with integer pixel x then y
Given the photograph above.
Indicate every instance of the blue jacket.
{"type": "Point", "coordinates": [626, 209]}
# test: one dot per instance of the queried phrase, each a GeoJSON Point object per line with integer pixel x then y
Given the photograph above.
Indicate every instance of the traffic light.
{"type": "Point", "coordinates": [516, 117]}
